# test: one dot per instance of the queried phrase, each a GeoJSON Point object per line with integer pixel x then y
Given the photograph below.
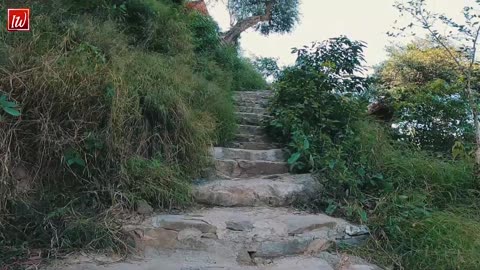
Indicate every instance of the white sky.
{"type": "Point", "coordinates": [366, 20]}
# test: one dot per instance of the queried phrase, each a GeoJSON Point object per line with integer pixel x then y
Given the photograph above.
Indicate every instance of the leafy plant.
{"type": "Point", "coordinates": [72, 157]}
{"type": "Point", "coordinates": [265, 16]}
{"type": "Point", "coordinates": [365, 173]}
{"type": "Point", "coordinates": [465, 34]}
{"type": "Point", "coordinates": [268, 67]}
{"type": "Point", "coordinates": [313, 103]}
{"type": "Point", "coordinates": [424, 88]}
{"type": "Point", "coordinates": [9, 107]}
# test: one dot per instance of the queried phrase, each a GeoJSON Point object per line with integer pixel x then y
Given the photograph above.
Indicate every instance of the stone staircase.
{"type": "Point", "coordinates": [244, 220]}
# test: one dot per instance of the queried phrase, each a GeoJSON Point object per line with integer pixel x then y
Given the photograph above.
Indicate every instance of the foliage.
{"type": "Point", "coordinates": [311, 106]}
{"type": "Point", "coordinates": [217, 56]}
{"type": "Point", "coordinates": [465, 37]}
{"type": "Point", "coordinates": [398, 192]}
{"type": "Point", "coordinates": [268, 67]}
{"type": "Point", "coordinates": [417, 64]}
{"type": "Point", "coordinates": [8, 107]}
{"type": "Point", "coordinates": [248, 78]}
{"type": "Point", "coordinates": [283, 18]}
{"type": "Point", "coordinates": [424, 88]}
{"type": "Point", "coordinates": [407, 197]}
{"type": "Point", "coordinates": [145, 177]}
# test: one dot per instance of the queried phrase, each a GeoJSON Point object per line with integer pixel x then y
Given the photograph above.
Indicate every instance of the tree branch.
{"type": "Point", "coordinates": [232, 35]}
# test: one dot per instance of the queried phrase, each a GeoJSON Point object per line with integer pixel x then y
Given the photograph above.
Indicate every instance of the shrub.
{"type": "Point", "coordinates": [406, 196]}
{"type": "Point", "coordinates": [313, 104]}
{"type": "Point", "coordinates": [425, 89]}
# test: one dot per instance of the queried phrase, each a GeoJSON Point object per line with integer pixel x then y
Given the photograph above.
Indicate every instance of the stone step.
{"type": "Point", "coordinates": [250, 129]}
{"type": "Point", "coordinates": [262, 104]}
{"type": "Point", "coordinates": [251, 118]}
{"type": "Point", "coordinates": [248, 109]}
{"type": "Point", "coordinates": [251, 138]}
{"type": "Point", "coordinates": [253, 94]}
{"type": "Point", "coordinates": [246, 154]}
{"type": "Point", "coordinates": [254, 145]}
{"type": "Point", "coordinates": [204, 260]}
{"type": "Point", "coordinates": [248, 168]}
{"type": "Point", "coordinates": [245, 234]}
{"type": "Point", "coordinates": [276, 190]}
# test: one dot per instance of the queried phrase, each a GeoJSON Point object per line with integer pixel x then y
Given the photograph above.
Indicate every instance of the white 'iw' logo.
{"type": "Point", "coordinates": [17, 21]}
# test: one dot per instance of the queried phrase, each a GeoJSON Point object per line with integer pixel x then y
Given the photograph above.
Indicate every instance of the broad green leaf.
{"type": "Point", "coordinates": [77, 161]}
{"type": "Point", "coordinates": [12, 111]}
{"type": "Point", "coordinates": [331, 209]}
{"type": "Point", "coordinates": [331, 164]}
{"type": "Point", "coordinates": [306, 144]}
{"type": "Point", "coordinates": [294, 158]}
{"type": "Point", "coordinates": [8, 104]}
{"type": "Point", "coordinates": [361, 171]}
{"type": "Point", "coordinates": [363, 215]}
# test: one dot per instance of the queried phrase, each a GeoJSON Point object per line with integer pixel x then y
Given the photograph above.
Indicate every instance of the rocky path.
{"type": "Point", "coordinates": [244, 221]}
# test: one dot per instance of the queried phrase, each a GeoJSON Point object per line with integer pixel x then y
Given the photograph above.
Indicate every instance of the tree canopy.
{"type": "Point", "coordinates": [265, 16]}
{"type": "Point", "coordinates": [425, 88]}
{"type": "Point", "coordinates": [416, 64]}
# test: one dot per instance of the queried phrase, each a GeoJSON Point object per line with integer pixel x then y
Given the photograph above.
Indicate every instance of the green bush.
{"type": "Point", "coordinates": [315, 100]}
{"type": "Point", "coordinates": [426, 91]}
{"type": "Point", "coordinates": [404, 195]}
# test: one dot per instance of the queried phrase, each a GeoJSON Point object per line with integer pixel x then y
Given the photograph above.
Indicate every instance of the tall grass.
{"type": "Point", "coordinates": [415, 203]}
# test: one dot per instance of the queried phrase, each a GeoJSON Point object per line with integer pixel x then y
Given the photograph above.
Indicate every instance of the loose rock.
{"type": "Point", "coordinates": [181, 222]}
{"type": "Point", "coordinates": [239, 225]}
{"type": "Point", "coordinates": [144, 208]}
{"type": "Point", "coordinates": [190, 233]}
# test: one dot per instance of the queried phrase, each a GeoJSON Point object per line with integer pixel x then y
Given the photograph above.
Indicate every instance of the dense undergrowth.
{"type": "Point", "coordinates": [422, 207]}
{"type": "Point", "coordinates": [111, 102]}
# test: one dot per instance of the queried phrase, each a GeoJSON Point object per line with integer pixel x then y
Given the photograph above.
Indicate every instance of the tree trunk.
{"type": "Point", "coordinates": [472, 99]}
{"type": "Point", "coordinates": [231, 36]}
{"type": "Point", "coordinates": [477, 138]}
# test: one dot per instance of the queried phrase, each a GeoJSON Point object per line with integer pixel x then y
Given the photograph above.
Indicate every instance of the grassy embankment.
{"type": "Point", "coordinates": [119, 101]}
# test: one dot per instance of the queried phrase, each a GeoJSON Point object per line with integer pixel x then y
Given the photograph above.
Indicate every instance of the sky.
{"type": "Point", "coordinates": [366, 20]}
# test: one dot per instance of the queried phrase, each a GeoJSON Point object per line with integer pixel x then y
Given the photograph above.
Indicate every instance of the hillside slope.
{"type": "Point", "coordinates": [110, 103]}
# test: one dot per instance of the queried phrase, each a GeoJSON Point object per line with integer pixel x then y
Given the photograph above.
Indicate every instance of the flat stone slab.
{"type": "Point", "coordinates": [251, 118]}
{"type": "Point", "coordinates": [307, 224]}
{"type": "Point", "coordinates": [270, 223]}
{"type": "Point", "coordinates": [254, 145]}
{"type": "Point", "coordinates": [251, 109]}
{"type": "Point", "coordinates": [201, 260]}
{"type": "Point", "coordinates": [279, 191]}
{"type": "Point", "coordinates": [246, 154]}
{"type": "Point", "coordinates": [249, 168]}
{"type": "Point", "coordinates": [181, 222]}
{"type": "Point", "coordinates": [252, 138]}
{"type": "Point", "coordinates": [259, 93]}
{"type": "Point", "coordinates": [250, 129]}
{"type": "Point", "coordinates": [264, 230]}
